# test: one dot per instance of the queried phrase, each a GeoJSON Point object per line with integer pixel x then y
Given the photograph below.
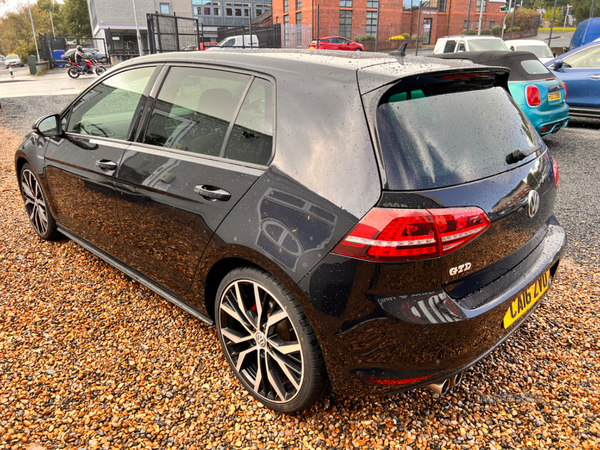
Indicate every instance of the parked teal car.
{"type": "Point", "coordinates": [534, 88]}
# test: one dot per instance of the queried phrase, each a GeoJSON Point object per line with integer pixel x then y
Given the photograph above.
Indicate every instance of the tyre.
{"type": "Point", "coordinates": [73, 72]}
{"type": "Point", "coordinates": [357, 50]}
{"type": "Point", "coordinates": [268, 341]}
{"type": "Point", "coordinates": [100, 70]}
{"type": "Point", "coordinates": [39, 214]}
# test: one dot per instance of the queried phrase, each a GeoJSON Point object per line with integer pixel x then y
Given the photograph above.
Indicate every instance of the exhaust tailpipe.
{"type": "Point", "coordinates": [444, 386]}
{"type": "Point", "coordinates": [440, 388]}
{"type": "Point", "coordinates": [455, 380]}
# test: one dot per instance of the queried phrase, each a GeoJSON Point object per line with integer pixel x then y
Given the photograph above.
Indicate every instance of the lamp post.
{"type": "Point", "coordinates": [137, 30]}
{"type": "Point", "coordinates": [52, 23]}
{"type": "Point", "coordinates": [33, 29]}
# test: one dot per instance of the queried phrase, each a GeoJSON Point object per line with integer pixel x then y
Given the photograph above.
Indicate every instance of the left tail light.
{"type": "Point", "coordinates": [533, 96]}
{"type": "Point", "coordinates": [408, 234]}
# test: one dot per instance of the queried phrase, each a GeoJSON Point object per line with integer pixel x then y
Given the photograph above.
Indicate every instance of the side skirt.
{"type": "Point", "coordinates": [135, 275]}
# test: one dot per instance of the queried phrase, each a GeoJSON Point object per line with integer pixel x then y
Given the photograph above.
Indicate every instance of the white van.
{"type": "Point", "coordinates": [239, 41]}
{"type": "Point", "coordinates": [455, 44]}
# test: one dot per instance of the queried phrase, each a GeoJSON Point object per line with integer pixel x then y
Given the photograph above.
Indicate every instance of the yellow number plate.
{"type": "Point", "coordinates": [552, 96]}
{"type": "Point", "coordinates": [525, 300]}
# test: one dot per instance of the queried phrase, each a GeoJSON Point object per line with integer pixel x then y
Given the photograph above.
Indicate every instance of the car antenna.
{"type": "Point", "coordinates": [401, 50]}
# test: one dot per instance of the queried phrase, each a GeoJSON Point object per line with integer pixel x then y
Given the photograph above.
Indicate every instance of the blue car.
{"type": "Point", "coordinates": [579, 69]}
{"type": "Point", "coordinates": [539, 94]}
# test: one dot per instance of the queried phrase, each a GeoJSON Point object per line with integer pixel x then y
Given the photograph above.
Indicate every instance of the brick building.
{"type": "Point", "coordinates": [353, 18]}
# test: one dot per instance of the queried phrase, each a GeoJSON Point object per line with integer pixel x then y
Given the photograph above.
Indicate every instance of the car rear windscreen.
{"type": "Point", "coordinates": [448, 130]}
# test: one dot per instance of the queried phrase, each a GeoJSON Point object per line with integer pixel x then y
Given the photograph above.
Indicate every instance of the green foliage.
{"type": "Point", "coordinates": [472, 32]}
{"type": "Point", "coordinates": [364, 37]}
{"type": "Point", "coordinates": [496, 30]}
{"type": "Point", "coordinates": [16, 35]}
{"type": "Point", "coordinates": [405, 35]}
{"type": "Point", "coordinates": [486, 32]}
{"type": "Point", "coordinates": [525, 19]}
{"type": "Point", "coordinates": [581, 9]}
{"type": "Point", "coordinates": [76, 18]}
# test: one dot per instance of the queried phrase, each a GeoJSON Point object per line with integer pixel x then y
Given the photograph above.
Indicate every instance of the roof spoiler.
{"type": "Point", "coordinates": [401, 52]}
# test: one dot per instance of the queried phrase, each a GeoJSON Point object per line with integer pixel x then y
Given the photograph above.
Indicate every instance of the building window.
{"type": "Point", "coordinates": [298, 5]}
{"type": "Point", "coordinates": [346, 23]}
{"type": "Point", "coordinates": [277, 20]}
{"type": "Point", "coordinates": [164, 8]}
{"type": "Point", "coordinates": [345, 3]}
{"type": "Point", "coordinates": [238, 12]}
{"type": "Point", "coordinates": [298, 29]}
{"type": "Point", "coordinates": [372, 4]}
{"type": "Point", "coordinates": [492, 24]}
{"type": "Point", "coordinates": [217, 11]}
{"type": "Point", "coordinates": [465, 24]}
{"type": "Point", "coordinates": [442, 6]}
{"type": "Point", "coordinates": [207, 11]}
{"type": "Point", "coordinates": [286, 31]}
{"type": "Point", "coordinates": [258, 12]}
{"type": "Point", "coordinates": [372, 23]}
{"type": "Point", "coordinates": [229, 12]}
{"type": "Point", "coordinates": [286, 6]}
{"type": "Point", "coordinates": [478, 8]}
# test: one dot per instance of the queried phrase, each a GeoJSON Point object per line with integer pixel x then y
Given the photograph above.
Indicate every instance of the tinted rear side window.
{"type": "Point", "coordinates": [535, 67]}
{"type": "Point", "coordinates": [437, 132]}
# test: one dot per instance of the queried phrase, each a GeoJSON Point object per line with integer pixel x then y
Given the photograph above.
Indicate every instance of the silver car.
{"type": "Point", "coordinates": [13, 60]}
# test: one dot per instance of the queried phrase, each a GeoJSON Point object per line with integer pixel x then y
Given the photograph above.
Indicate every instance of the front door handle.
{"type": "Point", "coordinates": [595, 77]}
{"type": "Point", "coordinates": [212, 192]}
{"type": "Point", "coordinates": [106, 164]}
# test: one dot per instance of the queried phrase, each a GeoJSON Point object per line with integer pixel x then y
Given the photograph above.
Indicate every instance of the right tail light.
{"type": "Point", "coordinates": [407, 234]}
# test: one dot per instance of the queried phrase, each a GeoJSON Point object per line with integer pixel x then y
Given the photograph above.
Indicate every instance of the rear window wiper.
{"type": "Point", "coordinates": [520, 154]}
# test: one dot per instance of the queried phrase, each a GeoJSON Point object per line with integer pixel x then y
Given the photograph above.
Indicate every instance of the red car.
{"type": "Point", "coordinates": [337, 43]}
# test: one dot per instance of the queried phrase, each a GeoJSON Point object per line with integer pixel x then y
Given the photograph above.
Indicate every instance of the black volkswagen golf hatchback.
{"type": "Point", "coordinates": [366, 222]}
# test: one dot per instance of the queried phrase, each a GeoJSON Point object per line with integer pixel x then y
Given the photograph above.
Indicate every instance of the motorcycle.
{"type": "Point", "coordinates": [92, 66]}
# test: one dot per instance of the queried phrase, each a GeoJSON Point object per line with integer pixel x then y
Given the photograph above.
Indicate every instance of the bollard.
{"type": "Point", "coordinates": [10, 70]}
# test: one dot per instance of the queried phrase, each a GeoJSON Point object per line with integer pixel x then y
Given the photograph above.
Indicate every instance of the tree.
{"type": "Point", "coordinates": [76, 18]}
{"type": "Point", "coordinates": [16, 35]}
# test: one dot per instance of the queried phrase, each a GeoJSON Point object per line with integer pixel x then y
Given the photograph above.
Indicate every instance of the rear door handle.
{"type": "Point", "coordinates": [595, 77]}
{"type": "Point", "coordinates": [212, 192]}
{"type": "Point", "coordinates": [106, 164]}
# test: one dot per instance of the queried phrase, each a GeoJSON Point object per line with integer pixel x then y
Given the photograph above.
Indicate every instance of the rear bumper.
{"type": "Point", "coordinates": [548, 121]}
{"type": "Point", "coordinates": [411, 340]}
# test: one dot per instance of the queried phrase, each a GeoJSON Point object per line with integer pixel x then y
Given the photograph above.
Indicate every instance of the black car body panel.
{"type": "Point", "coordinates": [415, 319]}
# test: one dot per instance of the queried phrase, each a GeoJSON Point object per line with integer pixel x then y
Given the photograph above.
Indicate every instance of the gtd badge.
{"type": "Point", "coordinates": [534, 203]}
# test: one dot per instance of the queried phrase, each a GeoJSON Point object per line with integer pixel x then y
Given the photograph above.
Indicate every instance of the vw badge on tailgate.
{"type": "Point", "coordinates": [534, 203]}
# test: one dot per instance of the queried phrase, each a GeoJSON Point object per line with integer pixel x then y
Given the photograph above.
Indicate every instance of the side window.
{"type": "Point", "coordinates": [109, 108]}
{"type": "Point", "coordinates": [252, 137]}
{"type": "Point", "coordinates": [449, 47]}
{"type": "Point", "coordinates": [590, 57]}
{"type": "Point", "coordinates": [194, 108]}
{"type": "Point", "coordinates": [461, 47]}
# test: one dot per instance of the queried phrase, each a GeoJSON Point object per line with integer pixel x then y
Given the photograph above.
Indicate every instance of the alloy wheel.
{"type": "Point", "coordinates": [261, 341]}
{"type": "Point", "coordinates": [35, 203]}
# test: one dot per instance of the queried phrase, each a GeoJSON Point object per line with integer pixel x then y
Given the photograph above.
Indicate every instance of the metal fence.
{"type": "Point", "coordinates": [49, 45]}
{"type": "Point", "coordinates": [173, 33]}
{"type": "Point", "coordinates": [268, 36]}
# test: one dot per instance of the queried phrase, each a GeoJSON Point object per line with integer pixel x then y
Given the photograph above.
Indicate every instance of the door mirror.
{"type": "Point", "coordinates": [557, 65]}
{"type": "Point", "coordinates": [49, 126]}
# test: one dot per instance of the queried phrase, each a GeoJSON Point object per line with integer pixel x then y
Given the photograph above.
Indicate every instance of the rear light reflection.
{"type": "Point", "coordinates": [556, 174]}
{"type": "Point", "coordinates": [565, 85]}
{"type": "Point", "coordinates": [407, 234]}
{"type": "Point", "coordinates": [398, 381]}
{"type": "Point", "coordinates": [533, 96]}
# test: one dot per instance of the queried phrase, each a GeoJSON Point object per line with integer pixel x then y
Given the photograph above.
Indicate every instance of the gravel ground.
{"type": "Point", "coordinates": [91, 359]}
